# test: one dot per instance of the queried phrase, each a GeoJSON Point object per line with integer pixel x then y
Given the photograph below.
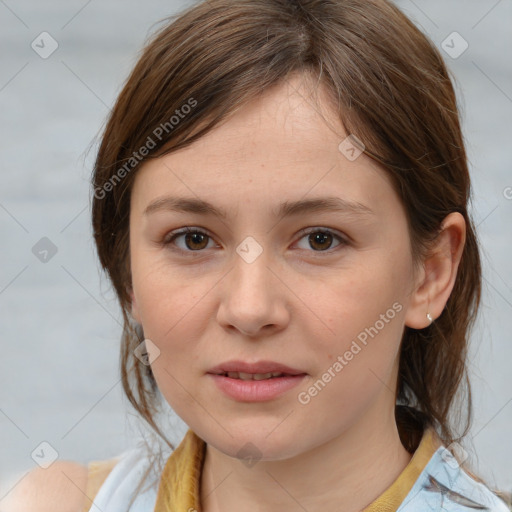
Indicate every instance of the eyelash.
{"type": "Point", "coordinates": [173, 235]}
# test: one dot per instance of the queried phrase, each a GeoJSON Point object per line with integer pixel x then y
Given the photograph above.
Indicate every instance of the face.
{"type": "Point", "coordinates": [321, 287]}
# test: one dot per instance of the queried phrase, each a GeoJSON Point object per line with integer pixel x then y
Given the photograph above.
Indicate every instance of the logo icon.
{"type": "Point", "coordinates": [44, 45]}
{"type": "Point", "coordinates": [249, 249]}
{"type": "Point", "coordinates": [351, 147]}
{"type": "Point", "coordinates": [249, 454]}
{"type": "Point", "coordinates": [44, 250]}
{"type": "Point", "coordinates": [44, 455]}
{"type": "Point", "coordinates": [454, 45]}
{"type": "Point", "coordinates": [147, 352]}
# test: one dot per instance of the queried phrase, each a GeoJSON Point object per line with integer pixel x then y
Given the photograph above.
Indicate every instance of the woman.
{"type": "Point", "coordinates": [280, 201]}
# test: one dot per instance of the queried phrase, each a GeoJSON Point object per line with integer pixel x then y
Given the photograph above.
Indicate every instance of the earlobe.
{"type": "Point", "coordinates": [439, 273]}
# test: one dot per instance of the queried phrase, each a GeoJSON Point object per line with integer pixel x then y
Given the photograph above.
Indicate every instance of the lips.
{"type": "Point", "coordinates": [255, 382]}
{"type": "Point", "coordinates": [254, 371]}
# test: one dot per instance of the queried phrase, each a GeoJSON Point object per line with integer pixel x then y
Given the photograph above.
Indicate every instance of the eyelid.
{"type": "Point", "coordinates": [306, 231]}
{"type": "Point", "coordinates": [172, 235]}
{"type": "Point", "coordinates": [185, 230]}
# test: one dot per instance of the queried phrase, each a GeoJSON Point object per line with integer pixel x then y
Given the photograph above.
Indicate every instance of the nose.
{"type": "Point", "coordinates": [254, 299]}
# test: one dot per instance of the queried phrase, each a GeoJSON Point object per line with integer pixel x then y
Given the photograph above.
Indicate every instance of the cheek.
{"type": "Point", "coordinates": [356, 365]}
{"type": "Point", "coordinates": [166, 301]}
{"type": "Point", "coordinates": [364, 310]}
{"type": "Point", "coordinates": [371, 292]}
{"type": "Point", "coordinates": [159, 290]}
{"type": "Point", "coordinates": [170, 308]}
{"type": "Point", "coordinates": [175, 313]}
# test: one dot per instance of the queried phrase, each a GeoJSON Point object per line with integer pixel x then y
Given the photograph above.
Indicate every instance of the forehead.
{"type": "Point", "coordinates": [285, 145]}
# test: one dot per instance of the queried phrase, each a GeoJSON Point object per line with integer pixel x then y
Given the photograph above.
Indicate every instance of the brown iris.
{"type": "Point", "coordinates": [198, 239]}
{"type": "Point", "coordinates": [320, 238]}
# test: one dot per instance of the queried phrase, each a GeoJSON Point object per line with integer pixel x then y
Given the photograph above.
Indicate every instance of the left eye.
{"type": "Point", "coordinates": [195, 240]}
{"type": "Point", "coordinates": [321, 239]}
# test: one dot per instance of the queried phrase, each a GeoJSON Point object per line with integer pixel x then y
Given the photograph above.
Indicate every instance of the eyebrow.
{"type": "Point", "coordinates": [286, 209]}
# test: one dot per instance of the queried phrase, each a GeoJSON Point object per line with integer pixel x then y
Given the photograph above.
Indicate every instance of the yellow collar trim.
{"type": "Point", "coordinates": [179, 489]}
{"type": "Point", "coordinates": [179, 486]}
{"type": "Point", "coordinates": [394, 495]}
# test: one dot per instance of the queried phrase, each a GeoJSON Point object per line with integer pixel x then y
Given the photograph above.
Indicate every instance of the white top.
{"type": "Point", "coordinates": [117, 490]}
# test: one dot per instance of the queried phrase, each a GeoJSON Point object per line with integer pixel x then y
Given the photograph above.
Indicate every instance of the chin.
{"type": "Point", "coordinates": [254, 443]}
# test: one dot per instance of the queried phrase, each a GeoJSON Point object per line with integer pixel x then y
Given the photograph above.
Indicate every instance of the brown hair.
{"type": "Point", "coordinates": [389, 86]}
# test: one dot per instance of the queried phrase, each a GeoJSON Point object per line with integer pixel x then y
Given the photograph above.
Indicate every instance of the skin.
{"type": "Point", "coordinates": [59, 488]}
{"type": "Point", "coordinates": [296, 303]}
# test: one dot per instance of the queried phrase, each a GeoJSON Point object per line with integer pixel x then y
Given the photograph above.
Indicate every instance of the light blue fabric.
{"type": "Point", "coordinates": [444, 468]}
{"type": "Point", "coordinates": [117, 490]}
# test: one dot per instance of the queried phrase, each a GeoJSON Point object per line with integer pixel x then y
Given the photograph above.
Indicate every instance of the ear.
{"type": "Point", "coordinates": [135, 309]}
{"type": "Point", "coordinates": [437, 278]}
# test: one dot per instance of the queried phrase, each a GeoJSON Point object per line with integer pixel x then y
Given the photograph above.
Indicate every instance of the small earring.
{"type": "Point", "coordinates": [429, 317]}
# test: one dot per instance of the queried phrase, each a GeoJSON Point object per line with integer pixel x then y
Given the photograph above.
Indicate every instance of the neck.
{"type": "Point", "coordinates": [352, 469]}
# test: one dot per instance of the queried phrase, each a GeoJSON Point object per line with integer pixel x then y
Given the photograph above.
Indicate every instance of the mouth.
{"type": "Point", "coordinates": [255, 382]}
{"type": "Point", "coordinates": [253, 376]}
{"type": "Point", "coordinates": [254, 371]}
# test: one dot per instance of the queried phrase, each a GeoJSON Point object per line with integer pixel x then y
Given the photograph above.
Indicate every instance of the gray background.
{"type": "Point", "coordinates": [59, 320]}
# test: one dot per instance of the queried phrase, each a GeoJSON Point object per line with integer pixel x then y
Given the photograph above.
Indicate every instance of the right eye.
{"type": "Point", "coordinates": [193, 240]}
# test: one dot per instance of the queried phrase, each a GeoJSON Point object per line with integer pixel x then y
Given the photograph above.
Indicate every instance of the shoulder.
{"type": "Point", "coordinates": [70, 487]}
{"type": "Point", "coordinates": [59, 488]}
